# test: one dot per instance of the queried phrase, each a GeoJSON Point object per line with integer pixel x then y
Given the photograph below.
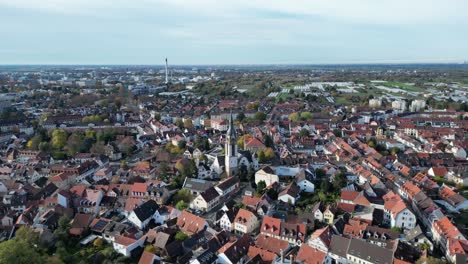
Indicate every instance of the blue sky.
{"type": "Point", "coordinates": [232, 32]}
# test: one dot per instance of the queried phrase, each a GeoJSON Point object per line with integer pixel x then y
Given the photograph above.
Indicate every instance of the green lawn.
{"type": "Point", "coordinates": [404, 86]}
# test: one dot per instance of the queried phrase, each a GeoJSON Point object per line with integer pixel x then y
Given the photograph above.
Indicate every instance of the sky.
{"type": "Point", "coordinates": [233, 32]}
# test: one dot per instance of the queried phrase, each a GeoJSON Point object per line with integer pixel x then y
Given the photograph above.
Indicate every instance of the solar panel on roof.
{"type": "Point", "coordinates": [100, 225]}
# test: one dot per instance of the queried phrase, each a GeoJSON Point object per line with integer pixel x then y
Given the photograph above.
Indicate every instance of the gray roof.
{"type": "Point", "coordinates": [413, 233]}
{"type": "Point", "coordinates": [339, 245]}
{"type": "Point", "coordinates": [197, 184]}
{"type": "Point", "coordinates": [369, 252]}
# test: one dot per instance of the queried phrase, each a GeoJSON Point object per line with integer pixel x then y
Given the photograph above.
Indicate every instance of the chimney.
{"type": "Point", "coordinates": [167, 73]}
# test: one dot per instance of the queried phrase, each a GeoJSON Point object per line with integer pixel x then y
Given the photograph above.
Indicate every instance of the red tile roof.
{"type": "Point", "coordinates": [271, 226]}
{"type": "Point", "coordinates": [265, 255]}
{"type": "Point", "coordinates": [445, 228]}
{"type": "Point", "coordinates": [147, 258]}
{"type": "Point", "coordinates": [347, 207]}
{"type": "Point", "coordinates": [243, 216]}
{"type": "Point", "coordinates": [271, 244]}
{"type": "Point", "coordinates": [349, 195]}
{"type": "Point", "coordinates": [310, 255]}
{"type": "Point", "coordinates": [190, 223]}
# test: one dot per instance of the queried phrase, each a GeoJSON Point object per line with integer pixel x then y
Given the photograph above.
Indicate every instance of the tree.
{"type": "Point", "coordinates": [260, 116]}
{"type": "Point", "coordinates": [179, 123]}
{"type": "Point", "coordinates": [304, 133]}
{"type": "Point", "coordinates": [261, 186]}
{"type": "Point", "coordinates": [20, 252]}
{"type": "Point", "coordinates": [59, 138]}
{"type": "Point", "coordinates": [187, 168]}
{"type": "Point", "coordinates": [242, 139]}
{"type": "Point", "coordinates": [242, 173]}
{"type": "Point", "coordinates": [150, 249]}
{"type": "Point", "coordinates": [188, 123]}
{"type": "Point", "coordinates": [35, 141]}
{"type": "Point", "coordinates": [261, 156]}
{"type": "Point", "coordinates": [182, 195]}
{"type": "Point", "coordinates": [319, 173]}
{"type": "Point", "coordinates": [23, 249]}
{"type": "Point", "coordinates": [294, 117]}
{"type": "Point", "coordinates": [181, 236]}
{"type": "Point", "coordinates": [74, 144]}
{"type": "Point", "coordinates": [268, 141]}
{"type": "Point", "coordinates": [339, 181]}
{"type": "Point", "coordinates": [62, 230]}
{"type": "Point", "coordinates": [181, 205]}
{"type": "Point", "coordinates": [240, 117]}
{"type": "Point", "coordinates": [269, 153]}
{"type": "Point", "coordinates": [98, 242]}
{"type": "Point", "coordinates": [306, 116]}
{"type": "Point", "coordinates": [325, 186]}
{"type": "Point", "coordinates": [182, 144]}
{"type": "Point", "coordinates": [337, 132]}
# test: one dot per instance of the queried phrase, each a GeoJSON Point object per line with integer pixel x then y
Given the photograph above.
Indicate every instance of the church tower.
{"type": "Point", "coordinates": [230, 149]}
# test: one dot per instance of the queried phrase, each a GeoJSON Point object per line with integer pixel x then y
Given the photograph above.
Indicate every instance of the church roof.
{"type": "Point", "coordinates": [231, 132]}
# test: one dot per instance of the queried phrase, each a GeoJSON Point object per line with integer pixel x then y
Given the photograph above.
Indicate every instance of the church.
{"type": "Point", "coordinates": [234, 158]}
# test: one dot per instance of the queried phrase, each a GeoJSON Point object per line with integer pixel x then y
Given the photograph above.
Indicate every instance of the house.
{"type": "Point", "coordinates": [457, 248]}
{"type": "Point", "coordinates": [321, 239]}
{"type": "Point", "coordinates": [206, 257]}
{"type": "Point", "coordinates": [89, 201]}
{"type": "Point", "coordinates": [459, 177]}
{"type": "Point", "coordinates": [190, 223]}
{"type": "Point", "coordinates": [271, 226]}
{"type": "Point", "coordinates": [259, 255]}
{"type": "Point", "coordinates": [304, 183]}
{"type": "Point", "coordinates": [339, 249]}
{"type": "Point", "coordinates": [437, 172]}
{"type": "Point", "coordinates": [196, 186]}
{"type": "Point", "coordinates": [290, 194]}
{"type": "Point", "coordinates": [308, 254]}
{"type": "Point", "coordinates": [80, 224]}
{"type": "Point", "coordinates": [416, 237]}
{"type": "Point", "coordinates": [227, 186]}
{"type": "Point", "coordinates": [143, 214]}
{"type": "Point", "coordinates": [225, 218]}
{"type": "Point", "coordinates": [329, 215]}
{"type": "Point", "coordinates": [260, 205]}
{"type": "Point", "coordinates": [267, 175]}
{"type": "Point", "coordinates": [452, 200]}
{"type": "Point", "coordinates": [317, 211]}
{"type": "Point", "coordinates": [443, 230]}
{"type": "Point", "coordinates": [125, 245]}
{"type": "Point", "coordinates": [396, 214]}
{"type": "Point", "coordinates": [293, 233]}
{"type": "Point", "coordinates": [104, 173]}
{"type": "Point", "coordinates": [206, 200]}
{"type": "Point", "coordinates": [359, 251]}
{"type": "Point", "coordinates": [148, 258]}
{"type": "Point", "coordinates": [272, 244]}
{"type": "Point", "coordinates": [245, 222]}
{"type": "Point", "coordinates": [235, 252]}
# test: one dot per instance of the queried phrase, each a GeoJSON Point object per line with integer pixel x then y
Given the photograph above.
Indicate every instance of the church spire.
{"type": "Point", "coordinates": [231, 130]}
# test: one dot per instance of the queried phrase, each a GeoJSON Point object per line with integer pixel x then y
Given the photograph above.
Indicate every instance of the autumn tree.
{"type": "Point", "coordinates": [59, 138]}
{"type": "Point", "coordinates": [294, 117]}
{"type": "Point", "coordinates": [188, 123]}
{"type": "Point", "coordinates": [269, 153]}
